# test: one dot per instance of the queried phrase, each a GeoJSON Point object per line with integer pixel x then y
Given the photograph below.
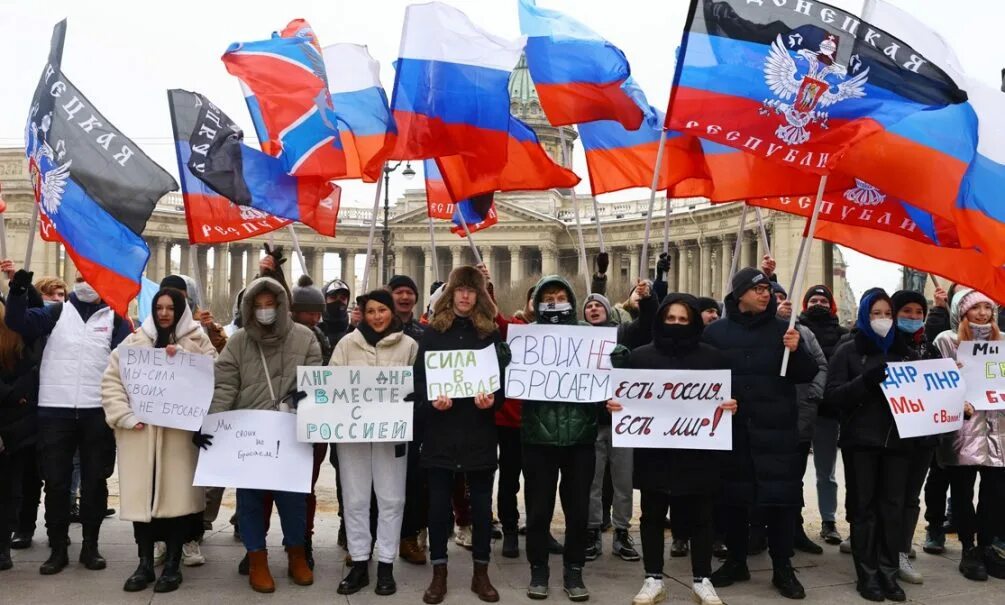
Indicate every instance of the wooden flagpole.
{"type": "Point", "coordinates": [652, 202]}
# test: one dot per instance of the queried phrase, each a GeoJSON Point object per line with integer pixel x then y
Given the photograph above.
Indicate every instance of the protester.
{"type": "Point", "coordinates": [685, 481]}
{"type": "Point", "coordinates": [258, 371]}
{"type": "Point", "coordinates": [378, 341]}
{"type": "Point", "coordinates": [406, 295]}
{"type": "Point", "coordinates": [81, 334]}
{"type": "Point", "coordinates": [186, 285]}
{"type": "Point", "coordinates": [709, 308]}
{"type": "Point", "coordinates": [156, 464]}
{"type": "Point", "coordinates": [335, 319]}
{"type": "Point", "coordinates": [976, 449]}
{"type": "Point", "coordinates": [460, 433]}
{"type": "Point", "coordinates": [763, 467]}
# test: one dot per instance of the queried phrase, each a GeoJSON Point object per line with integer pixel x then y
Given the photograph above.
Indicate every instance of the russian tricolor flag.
{"type": "Point", "coordinates": [438, 201]}
{"type": "Point", "coordinates": [451, 94]}
{"type": "Point", "coordinates": [579, 76]}
{"type": "Point", "coordinates": [366, 125]}
{"type": "Point", "coordinates": [478, 212]}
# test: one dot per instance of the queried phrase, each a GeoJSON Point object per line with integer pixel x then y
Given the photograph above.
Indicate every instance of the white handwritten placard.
{"type": "Point", "coordinates": [982, 365]}
{"type": "Point", "coordinates": [925, 397]}
{"type": "Point", "coordinates": [173, 392]}
{"type": "Point", "coordinates": [255, 449]}
{"type": "Point", "coordinates": [347, 404]}
{"type": "Point", "coordinates": [676, 409]}
{"type": "Point", "coordinates": [462, 373]}
{"type": "Point", "coordinates": [560, 363]}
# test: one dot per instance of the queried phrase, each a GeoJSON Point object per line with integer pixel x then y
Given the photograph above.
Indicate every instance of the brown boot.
{"type": "Point", "coordinates": [412, 552]}
{"type": "Point", "coordinates": [482, 586]}
{"type": "Point", "coordinates": [298, 568]}
{"type": "Point", "coordinates": [258, 572]}
{"type": "Point", "coordinates": [438, 586]}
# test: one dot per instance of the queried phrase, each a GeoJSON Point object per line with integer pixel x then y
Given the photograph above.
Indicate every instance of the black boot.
{"type": "Point", "coordinates": [784, 579]}
{"type": "Point", "coordinates": [803, 543]}
{"type": "Point", "coordinates": [144, 573]}
{"type": "Point", "coordinates": [58, 559]}
{"type": "Point", "coordinates": [385, 580]}
{"type": "Point", "coordinates": [356, 579]}
{"type": "Point", "coordinates": [89, 554]}
{"type": "Point", "coordinates": [889, 571]}
{"type": "Point", "coordinates": [511, 544]}
{"type": "Point", "coordinates": [171, 578]}
{"type": "Point", "coordinates": [868, 584]}
{"type": "Point", "coordinates": [5, 560]}
{"type": "Point", "coordinates": [972, 565]}
{"type": "Point", "coordinates": [309, 552]}
{"type": "Point", "coordinates": [242, 566]}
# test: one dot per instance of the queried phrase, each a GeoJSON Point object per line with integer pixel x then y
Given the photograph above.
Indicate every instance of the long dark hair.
{"type": "Point", "coordinates": [165, 335]}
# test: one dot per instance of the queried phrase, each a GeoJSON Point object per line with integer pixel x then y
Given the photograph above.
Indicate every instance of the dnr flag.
{"type": "Point", "coordinates": [803, 83]}
{"type": "Point", "coordinates": [93, 185]}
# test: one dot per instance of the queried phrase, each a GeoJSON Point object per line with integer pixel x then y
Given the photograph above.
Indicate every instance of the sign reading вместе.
{"type": "Point", "coordinates": [560, 363]}
{"type": "Point", "coordinates": [169, 391]}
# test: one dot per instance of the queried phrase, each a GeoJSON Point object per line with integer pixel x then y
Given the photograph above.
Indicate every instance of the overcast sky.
{"type": "Point", "coordinates": [124, 55]}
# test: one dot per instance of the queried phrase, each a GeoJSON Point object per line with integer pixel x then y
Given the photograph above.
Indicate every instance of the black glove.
{"type": "Point", "coordinates": [409, 397]}
{"type": "Point", "coordinates": [276, 254]}
{"type": "Point", "coordinates": [875, 375]}
{"type": "Point", "coordinates": [293, 398]}
{"type": "Point", "coordinates": [503, 354]}
{"type": "Point", "coordinates": [603, 261]}
{"type": "Point", "coordinates": [662, 265]}
{"type": "Point", "coordinates": [201, 440]}
{"type": "Point", "coordinates": [436, 286]}
{"type": "Point", "coordinates": [22, 280]}
{"type": "Point", "coordinates": [620, 356]}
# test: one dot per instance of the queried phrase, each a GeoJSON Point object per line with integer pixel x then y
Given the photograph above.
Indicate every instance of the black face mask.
{"type": "Point", "coordinates": [818, 312]}
{"type": "Point", "coordinates": [338, 314]}
{"type": "Point", "coordinates": [676, 337]}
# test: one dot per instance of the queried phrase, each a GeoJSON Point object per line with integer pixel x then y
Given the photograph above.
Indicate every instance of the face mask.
{"type": "Point", "coordinates": [980, 331]}
{"type": "Point", "coordinates": [677, 332]}
{"type": "Point", "coordinates": [51, 303]}
{"type": "Point", "coordinates": [554, 313]}
{"type": "Point", "coordinates": [911, 326]}
{"type": "Point", "coordinates": [85, 293]}
{"type": "Point", "coordinates": [881, 327]}
{"type": "Point", "coordinates": [266, 317]}
{"type": "Point", "coordinates": [817, 312]}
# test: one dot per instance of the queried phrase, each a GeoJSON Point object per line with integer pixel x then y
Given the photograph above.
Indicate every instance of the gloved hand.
{"type": "Point", "coordinates": [620, 356]}
{"type": "Point", "coordinates": [293, 398]}
{"type": "Point", "coordinates": [662, 265]}
{"type": "Point", "coordinates": [277, 255]}
{"type": "Point", "coordinates": [875, 375]}
{"type": "Point", "coordinates": [22, 280]}
{"type": "Point", "coordinates": [603, 261]}
{"type": "Point", "coordinates": [201, 440]}
{"type": "Point", "coordinates": [503, 354]}
{"type": "Point", "coordinates": [436, 286]}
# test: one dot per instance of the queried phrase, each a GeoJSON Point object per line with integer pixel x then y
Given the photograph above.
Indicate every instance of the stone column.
{"type": "Point", "coordinates": [685, 268]}
{"type": "Point", "coordinates": [317, 266]}
{"type": "Point", "coordinates": [69, 271]}
{"type": "Point", "coordinates": [202, 265]}
{"type": "Point", "coordinates": [348, 272]}
{"type": "Point", "coordinates": [761, 250]}
{"type": "Point", "coordinates": [747, 251]}
{"type": "Point", "coordinates": [455, 257]}
{"type": "Point", "coordinates": [549, 264]}
{"type": "Point", "coordinates": [155, 266]}
{"type": "Point", "coordinates": [399, 260]}
{"type": "Point", "coordinates": [673, 274]}
{"type": "Point", "coordinates": [251, 263]}
{"type": "Point", "coordinates": [428, 276]}
{"type": "Point", "coordinates": [633, 264]}
{"type": "Point", "coordinates": [715, 271]}
{"type": "Point", "coordinates": [705, 281]}
{"type": "Point", "coordinates": [236, 269]}
{"type": "Point", "coordinates": [184, 262]}
{"type": "Point", "coordinates": [515, 264]}
{"type": "Point", "coordinates": [220, 295]}
{"type": "Point", "coordinates": [489, 258]}
{"type": "Point", "coordinates": [725, 259]}
{"type": "Point", "coordinates": [375, 266]}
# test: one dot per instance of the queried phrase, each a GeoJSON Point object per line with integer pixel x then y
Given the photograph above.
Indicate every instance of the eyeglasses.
{"type": "Point", "coordinates": [762, 289]}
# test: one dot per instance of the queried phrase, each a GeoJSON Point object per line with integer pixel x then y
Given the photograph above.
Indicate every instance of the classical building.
{"type": "Point", "coordinates": [537, 234]}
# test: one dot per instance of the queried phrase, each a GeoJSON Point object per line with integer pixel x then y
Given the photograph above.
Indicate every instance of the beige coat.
{"type": "Point", "coordinates": [241, 382]}
{"type": "Point", "coordinates": [156, 464]}
{"type": "Point", "coordinates": [395, 349]}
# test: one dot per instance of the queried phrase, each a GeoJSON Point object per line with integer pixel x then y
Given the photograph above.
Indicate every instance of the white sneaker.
{"type": "Point", "coordinates": [846, 546]}
{"type": "Point", "coordinates": [463, 536]}
{"type": "Point", "coordinates": [160, 552]}
{"type": "Point", "coordinates": [191, 555]}
{"type": "Point", "coordinates": [703, 593]}
{"type": "Point", "coordinates": [653, 591]}
{"type": "Point", "coordinates": [907, 571]}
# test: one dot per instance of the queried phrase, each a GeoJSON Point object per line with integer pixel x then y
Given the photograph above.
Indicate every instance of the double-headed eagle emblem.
{"type": "Point", "coordinates": [48, 178]}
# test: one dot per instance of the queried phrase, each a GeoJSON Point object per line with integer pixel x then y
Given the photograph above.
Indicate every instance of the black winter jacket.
{"type": "Point", "coordinates": [19, 399]}
{"type": "Point", "coordinates": [765, 467]}
{"type": "Point", "coordinates": [827, 329]}
{"type": "Point", "coordinates": [462, 438]}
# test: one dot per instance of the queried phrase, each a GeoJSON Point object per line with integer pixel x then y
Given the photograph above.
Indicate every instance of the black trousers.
{"type": "Point", "coordinates": [510, 467]}
{"type": "Point", "coordinates": [879, 478]}
{"type": "Point", "coordinates": [921, 461]}
{"type": "Point", "coordinates": [693, 513]}
{"type": "Point", "coordinates": [936, 489]}
{"type": "Point", "coordinates": [61, 432]}
{"type": "Point", "coordinates": [441, 513]}
{"type": "Point", "coordinates": [780, 522]}
{"type": "Point", "coordinates": [986, 522]}
{"type": "Point", "coordinates": [543, 465]}
{"type": "Point", "coordinates": [416, 493]}
{"type": "Point", "coordinates": [24, 487]}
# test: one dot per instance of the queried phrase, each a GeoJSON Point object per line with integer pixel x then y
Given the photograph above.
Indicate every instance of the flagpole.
{"type": "Point", "coordinates": [193, 269]}
{"type": "Point", "coordinates": [575, 208]}
{"type": "Point", "coordinates": [764, 232]}
{"type": "Point", "coordinates": [800, 277]}
{"type": "Point", "coordinates": [3, 236]}
{"type": "Point", "coordinates": [736, 251]}
{"type": "Point", "coordinates": [432, 247]}
{"type": "Point", "coordinates": [652, 201]}
{"type": "Point", "coordinates": [935, 282]}
{"type": "Point", "coordinates": [666, 228]}
{"type": "Point", "coordinates": [300, 253]}
{"type": "Point", "coordinates": [471, 241]}
{"type": "Point", "coordinates": [32, 228]}
{"type": "Point", "coordinates": [373, 228]}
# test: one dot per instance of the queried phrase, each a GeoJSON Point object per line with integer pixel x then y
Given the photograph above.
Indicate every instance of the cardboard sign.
{"type": "Point", "coordinates": [983, 370]}
{"type": "Point", "coordinates": [347, 404]}
{"type": "Point", "coordinates": [173, 392]}
{"type": "Point", "coordinates": [677, 409]}
{"type": "Point", "coordinates": [255, 449]}
{"type": "Point", "coordinates": [926, 397]}
{"type": "Point", "coordinates": [463, 373]}
{"type": "Point", "coordinates": [560, 363]}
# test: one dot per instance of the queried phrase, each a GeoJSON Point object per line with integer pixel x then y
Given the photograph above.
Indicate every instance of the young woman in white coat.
{"type": "Point", "coordinates": [378, 341]}
{"type": "Point", "coordinates": [156, 464]}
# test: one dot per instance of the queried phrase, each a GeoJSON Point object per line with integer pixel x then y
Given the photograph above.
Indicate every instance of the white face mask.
{"type": "Point", "coordinates": [980, 331]}
{"type": "Point", "coordinates": [881, 327]}
{"type": "Point", "coordinates": [85, 293]}
{"type": "Point", "coordinates": [266, 317]}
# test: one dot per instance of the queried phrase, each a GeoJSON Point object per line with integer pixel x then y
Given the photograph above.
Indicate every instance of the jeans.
{"type": "Point", "coordinates": [543, 464]}
{"type": "Point", "coordinates": [621, 461]}
{"type": "Point", "coordinates": [441, 519]}
{"type": "Point", "coordinates": [510, 467]}
{"type": "Point", "coordinates": [985, 522]}
{"type": "Point", "coordinates": [825, 448]}
{"type": "Point", "coordinates": [920, 462]}
{"type": "Point", "coordinates": [61, 432]}
{"type": "Point", "coordinates": [693, 512]}
{"type": "Point", "coordinates": [292, 516]}
{"type": "Point", "coordinates": [780, 522]}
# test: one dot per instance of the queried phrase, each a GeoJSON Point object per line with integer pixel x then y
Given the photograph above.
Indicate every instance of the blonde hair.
{"type": "Point", "coordinates": [46, 285]}
{"type": "Point", "coordinates": [483, 315]}
{"type": "Point", "coordinates": [11, 343]}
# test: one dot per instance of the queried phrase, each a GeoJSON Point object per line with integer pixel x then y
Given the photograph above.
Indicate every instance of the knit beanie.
{"type": "Point", "coordinates": [745, 279]}
{"type": "Point", "coordinates": [902, 298]}
{"type": "Point", "coordinates": [306, 297]}
{"type": "Point", "coordinates": [402, 281]}
{"type": "Point", "coordinates": [600, 298]}
{"type": "Point", "coordinates": [705, 303]}
{"type": "Point", "coordinates": [818, 290]}
{"type": "Point", "coordinates": [776, 288]}
{"type": "Point", "coordinates": [379, 295]}
{"type": "Point", "coordinates": [971, 299]}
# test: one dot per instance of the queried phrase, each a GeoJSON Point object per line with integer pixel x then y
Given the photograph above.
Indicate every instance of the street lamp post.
{"type": "Point", "coordinates": [408, 173]}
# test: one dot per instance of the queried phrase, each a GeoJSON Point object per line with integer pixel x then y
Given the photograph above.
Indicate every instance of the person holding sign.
{"type": "Point", "coordinates": [685, 481]}
{"type": "Point", "coordinates": [258, 371]}
{"type": "Point", "coordinates": [378, 341]}
{"type": "Point", "coordinates": [460, 432]}
{"type": "Point", "coordinates": [156, 464]}
{"type": "Point", "coordinates": [976, 449]}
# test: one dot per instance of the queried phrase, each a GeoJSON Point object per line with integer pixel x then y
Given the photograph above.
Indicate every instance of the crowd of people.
{"type": "Point", "coordinates": [62, 396]}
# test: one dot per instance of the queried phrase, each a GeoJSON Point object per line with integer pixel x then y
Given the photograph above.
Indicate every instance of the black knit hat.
{"type": "Point", "coordinates": [745, 279]}
{"type": "Point", "coordinates": [818, 290]}
{"type": "Point", "coordinates": [402, 281]}
{"type": "Point", "coordinates": [901, 298]}
{"type": "Point", "coordinates": [705, 303]}
{"type": "Point", "coordinates": [379, 295]}
{"type": "Point", "coordinates": [174, 281]}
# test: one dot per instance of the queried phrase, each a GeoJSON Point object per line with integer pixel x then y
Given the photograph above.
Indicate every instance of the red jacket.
{"type": "Point", "coordinates": [510, 413]}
